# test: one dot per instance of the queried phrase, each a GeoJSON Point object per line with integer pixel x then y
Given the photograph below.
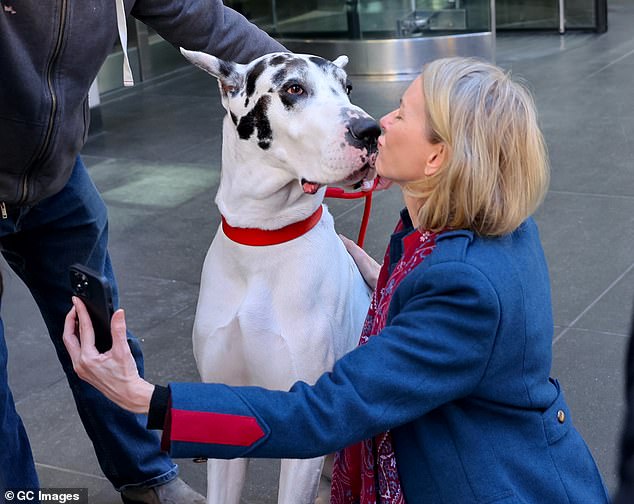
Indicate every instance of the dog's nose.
{"type": "Point", "coordinates": [365, 129]}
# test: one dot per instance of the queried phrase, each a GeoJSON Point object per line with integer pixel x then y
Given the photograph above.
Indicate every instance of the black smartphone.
{"type": "Point", "coordinates": [95, 291]}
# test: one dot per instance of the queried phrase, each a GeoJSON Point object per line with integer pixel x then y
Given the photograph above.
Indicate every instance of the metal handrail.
{"type": "Point", "coordinates": [562, 17]}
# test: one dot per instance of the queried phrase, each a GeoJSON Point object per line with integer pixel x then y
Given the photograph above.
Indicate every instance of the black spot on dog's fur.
{"type": "Point", "coordinates": [294, 68]}
{"type": "Point", "coordinates": [257, 119]}
{"type": "Point", "coordinates": [280, 59]}
{"type": "Point", "coordinates": [296, 64]}
{"type": "Point", "coordinates": [320, 62]}
{"type": "Point", "coordinates": [288, 100]}
{"type": "Point", "coordinates": [279, 77]}
{"type": "Point", "coordinates": [254, 75]}
{"type": "Point", "coordinates": [225, 68]}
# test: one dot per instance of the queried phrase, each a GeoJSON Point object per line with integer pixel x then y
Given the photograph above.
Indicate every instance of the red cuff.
{"type": "Point", "coordinates": [209, 428]}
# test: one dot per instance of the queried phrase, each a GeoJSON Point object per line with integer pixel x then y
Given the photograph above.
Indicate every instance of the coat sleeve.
{"type": "Point", "coordinates": [206, 25]}
{"type": "Point", "coordinates": [435, 349]}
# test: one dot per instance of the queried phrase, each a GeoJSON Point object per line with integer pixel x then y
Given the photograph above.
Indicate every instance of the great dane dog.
{"type": "Point", "coordinates": [280, 297]}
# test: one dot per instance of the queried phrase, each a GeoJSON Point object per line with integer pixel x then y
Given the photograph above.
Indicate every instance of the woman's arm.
{"type": "Point", "coordinates": [435, 349]}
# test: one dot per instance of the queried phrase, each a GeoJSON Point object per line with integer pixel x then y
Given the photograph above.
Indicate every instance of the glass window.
{"type": "Point", "coordinates": [371, 19]}
{"type": "Point", "coordinates": [544, 14]}
{"type": "Point", "coordinates": [527, 14]}
{"type": "Point", "coordinates": [422, 18]}
{"type": "Point", "coordinates": [581, 14]}
{"type": "Point", "coordinates": [353, 19]}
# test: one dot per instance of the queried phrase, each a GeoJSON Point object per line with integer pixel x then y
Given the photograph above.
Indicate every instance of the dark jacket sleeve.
{"type": "Point", "coordinates": [626, 489]}
{"type": "Point", "coordinates": [435, 349]}
{"type": "Point", "coordinates": [158, 407]}
{"type": "Point", "coordinates": [206, 25]}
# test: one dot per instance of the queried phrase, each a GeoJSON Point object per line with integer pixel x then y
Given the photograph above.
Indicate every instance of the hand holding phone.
{"type": "Point", "coordinates": [95, 291]}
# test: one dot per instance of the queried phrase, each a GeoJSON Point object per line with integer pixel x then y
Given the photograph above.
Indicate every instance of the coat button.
{"type": "Point", "coordinates": [199, 460]}
{"type": "Point", "coordinates": [561, 416]}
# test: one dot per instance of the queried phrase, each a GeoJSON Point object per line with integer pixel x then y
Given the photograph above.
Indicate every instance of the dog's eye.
{"type": "Point", "coordinates": [295, 89]}
{"type": "Point", "coordinates": [348, 89]}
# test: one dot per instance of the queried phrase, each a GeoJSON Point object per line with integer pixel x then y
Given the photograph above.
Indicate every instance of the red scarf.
{"type": "Point", "coordinates": [366, 473]}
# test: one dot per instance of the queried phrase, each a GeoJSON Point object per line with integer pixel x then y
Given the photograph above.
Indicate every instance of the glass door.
{"type": "Point", "coordinates": [366, 19]}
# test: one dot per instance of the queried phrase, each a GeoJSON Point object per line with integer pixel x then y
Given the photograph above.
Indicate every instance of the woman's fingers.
{"type": "Point", "coordinates": [86, 332]}
{"type": "Point", "coordinates": [359, 255]}
{"type": "Point", "coordinates": [70, 336]}
{"type": "Point", "coordinates": [353, 249]}
{"type": "Point", "coordinates": [120, 347]}
{"type": "Point", "coordinates": [368, 267]}
{"type": "Point", "coordinates": [348, 243]}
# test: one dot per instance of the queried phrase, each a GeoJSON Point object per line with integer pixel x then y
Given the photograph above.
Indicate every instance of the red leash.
{"type": "Point", "coordinates": [338, 193]}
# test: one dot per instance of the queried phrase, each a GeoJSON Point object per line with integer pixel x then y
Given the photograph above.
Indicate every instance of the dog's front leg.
{"type": "Point", "coordinates": [299, 480]}
{"type": "Point", "coordinates": [225, 479]}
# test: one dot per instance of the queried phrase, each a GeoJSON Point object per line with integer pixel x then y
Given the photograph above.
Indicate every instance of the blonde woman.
{"type": "Point", "coordinates": [448, 398]}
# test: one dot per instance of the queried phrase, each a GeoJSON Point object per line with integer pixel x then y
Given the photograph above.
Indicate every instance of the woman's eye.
{"type": "Point", "coordinates": [295, 89]}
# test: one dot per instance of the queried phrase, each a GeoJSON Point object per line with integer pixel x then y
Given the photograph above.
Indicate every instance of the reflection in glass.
{"type": "Point", "coordinates": [544, 14]}
{"type": "Point", "coordinates": [366, 19]}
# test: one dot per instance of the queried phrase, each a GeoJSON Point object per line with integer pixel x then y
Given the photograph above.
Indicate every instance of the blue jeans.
{"type": "Point", "coordinates": [40, 243]}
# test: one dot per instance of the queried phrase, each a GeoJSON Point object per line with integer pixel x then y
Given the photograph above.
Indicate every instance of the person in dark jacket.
{"type": "Point", "coordinates": [625, 494]}
{"type": "Point", "coordinates": [51, 215]}
{"type": "Point", "coordinates": [448, 398]}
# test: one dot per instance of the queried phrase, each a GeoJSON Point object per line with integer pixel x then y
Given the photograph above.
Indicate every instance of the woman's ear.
{"type": "Point", "coordinates": [436, 159]}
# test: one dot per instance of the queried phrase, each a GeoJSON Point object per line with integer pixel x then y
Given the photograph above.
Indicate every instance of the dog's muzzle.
{"type": "Point", "coordinates": [363, 133]}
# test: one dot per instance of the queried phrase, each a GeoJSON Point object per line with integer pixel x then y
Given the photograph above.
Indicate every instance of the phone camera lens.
{"type": "Point", "coordinates": [80, 281]}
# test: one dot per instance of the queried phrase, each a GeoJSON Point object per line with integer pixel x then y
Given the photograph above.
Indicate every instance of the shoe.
{"type": "Point", "coordinates": [175, 491]}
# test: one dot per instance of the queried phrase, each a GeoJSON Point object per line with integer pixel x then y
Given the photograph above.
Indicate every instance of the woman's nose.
{"type": "Point", "coordinates": [385, 120]}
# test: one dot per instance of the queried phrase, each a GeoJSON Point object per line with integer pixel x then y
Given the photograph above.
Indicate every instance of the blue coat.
{"type": "Point", "coordinates": [460, 375]}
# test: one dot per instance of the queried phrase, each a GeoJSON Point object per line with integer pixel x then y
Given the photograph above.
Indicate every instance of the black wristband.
{"type": "Point", "coordinates": [158, 407]}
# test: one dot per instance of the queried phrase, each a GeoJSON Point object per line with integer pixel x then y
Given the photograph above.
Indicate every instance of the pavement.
{"type": "Point", "coordinates": [157, 160]}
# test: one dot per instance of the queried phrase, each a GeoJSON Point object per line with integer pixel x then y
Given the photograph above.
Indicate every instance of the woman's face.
{"type": "Point", "coordinates": [405, 153]}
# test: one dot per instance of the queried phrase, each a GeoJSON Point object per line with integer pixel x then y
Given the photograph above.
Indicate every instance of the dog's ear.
{"type": "Point", "coordinates": [341, 61]}
{"type": "Point", "coordinates": [227, 72]}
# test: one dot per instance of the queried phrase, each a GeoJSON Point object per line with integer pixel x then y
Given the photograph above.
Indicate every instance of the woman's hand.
{"type": "Point", "coordinates": [114, 372]}
{"type": "Point", "coordinates": [368, 267]}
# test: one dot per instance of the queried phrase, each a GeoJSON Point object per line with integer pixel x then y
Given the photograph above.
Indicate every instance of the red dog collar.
{"type": "Point", "coordinates": [260, 237]}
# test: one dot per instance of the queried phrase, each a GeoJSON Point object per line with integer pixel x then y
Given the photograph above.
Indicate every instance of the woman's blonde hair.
{"type": "Point", "coordinates": [495, 173]}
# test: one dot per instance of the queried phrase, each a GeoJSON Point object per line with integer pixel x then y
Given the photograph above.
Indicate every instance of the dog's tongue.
{"type": "Point", "coordinates": [310, 187]}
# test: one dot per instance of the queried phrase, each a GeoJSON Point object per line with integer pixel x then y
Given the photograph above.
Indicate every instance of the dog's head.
{"type": "Point", "coordinates": [294, 111]}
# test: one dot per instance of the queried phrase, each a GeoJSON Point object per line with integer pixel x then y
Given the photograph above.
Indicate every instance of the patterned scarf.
{"type": "Point", "coordinates": [366, 473]}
